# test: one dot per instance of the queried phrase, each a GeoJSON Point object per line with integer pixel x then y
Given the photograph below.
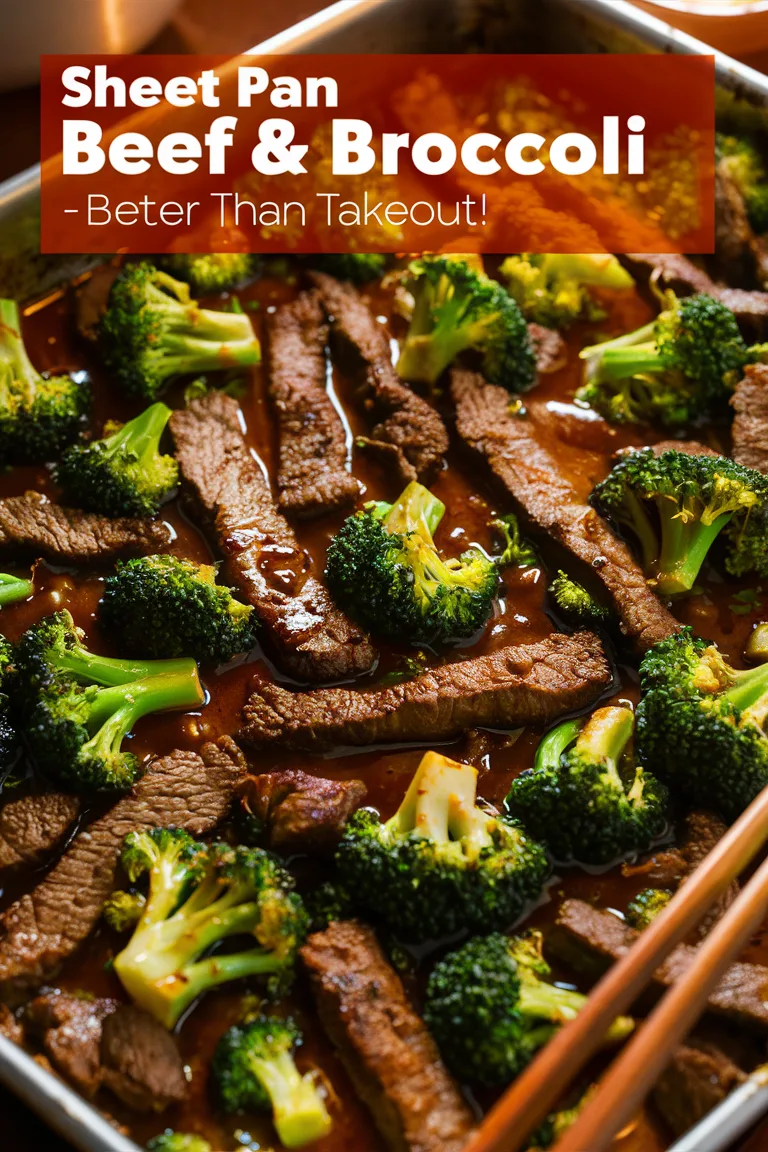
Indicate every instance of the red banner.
{"type": "Point", "coordinates": [378, 153]}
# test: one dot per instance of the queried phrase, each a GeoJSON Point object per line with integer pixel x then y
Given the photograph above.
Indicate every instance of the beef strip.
{"type": "Point", "coordinates": [312, 476]}
{"type": "Point", "coordinates": [44, 927]}
{"type": "Point", "coordinates": [407, 422]}
{"type": "Point", "coordinates": [590, 940]}
{"type": "Point", "coordinates": [300, 812]}
{"type": "Point", "coordinates": [140, 1061]}
{"type": "Point", "coordinates": [311, 638]}
{"type": "Point", "coordinates": [549, 347]}
{"type": "Point", "coordinates": [31, 525]}
{"type": "Point", "coordinates": [689, 447]}
{"type": "Point", "coordinates": [749, 430]}
{"type": "Point", "coordinates": [390, 1056]}
{"type": "Point", "coordinates": [529, 476]}
{"type": "Point", "coordinates": [682, 275]}
{"type": "Point", "coordinates": [33, 826]}
{"type": "Point", "coordinates": [529, 684]}
{"type": "Point", "coordinates": [697, 1079]}
{"type": "Point", "coordinates": [69, 1028]}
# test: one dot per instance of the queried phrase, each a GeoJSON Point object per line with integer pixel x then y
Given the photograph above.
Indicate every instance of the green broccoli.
{"type": "Point", "coordinates": [458, 308]}
{"type": "Point", "coordinates": [586, 797]}
{"type": "Point", "coordinates": [209, 273]}
{"type": "Point", "coordinates": [9, 737]}
{"type": "Point", "coordinates": [575, 604]}
{"type": "Point", "coordinates": [682, 366]}
{"type": "Point", "coordinates": [38, 414]}
{"type": "Point", "coordinates": [742, 163]}
{"type": "Point", "coordinates": [328, 902]}
{"type": "Point", "coordinates": [200, 895]}
{"type": "Point", "coordinates": [490, 1006]}
{"type": "Point", "coordinates": [123, 910]}
{"type": "Point", "coordinates": [676, 505]}
{"type": "Point", "coordinates": [152, 331]}
{"type": "Point", "coordinates": [441, 864]}
{"type": "Point", "coordinates": [644, 907]}
{"type": "Point", "coordinates": [164, 606]}
{"type": "Point", "coordinates": [254, 1069]}
{"type": "Point", "coordinates": [701, 723]}
{"type": "Point", "coordinates": [517, 552]}
{"type": "Point", "coordinates": [553, 290]}
{"type": "Point", "coordinates": [384, 570]}
{"type": "Point", "coordinates": [170, 1141]}
{"type": "Point", "coordinates": [13, 589]}
{"type": "Point", "coordinates": [78, 707]}
{"type": "Point", "coordinates": [124, 474]}
{"type": "Point", "coordinates": [359, 267]}
{"type": "Point", "coordinates": [557, 1123]}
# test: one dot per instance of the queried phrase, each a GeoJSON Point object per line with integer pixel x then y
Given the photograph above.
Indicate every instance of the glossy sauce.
{"type": "Point", "coordinates": [582, 446]}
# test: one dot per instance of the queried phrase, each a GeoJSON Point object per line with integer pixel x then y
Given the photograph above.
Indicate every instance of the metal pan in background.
{"type": "Point", "coordinates": [347, 26]}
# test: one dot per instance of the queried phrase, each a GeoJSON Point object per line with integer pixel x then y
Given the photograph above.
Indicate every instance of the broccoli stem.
{"type": "Point", "coordinates": [13, 353]}
{"type": "Point", "coordinates": [140, 437]}
{"type": "Point", "coordinates": [440, 805]}
{"type": "Point", "coordinates": [111, 672]}
{"type": "Point", "coordinates": [749, 689]}
{"type": "Point", "coordinates": [596, 352]}
{"type": "Point", "coordinates": [298, 1111]}
{"type": "Point", "coordinates": [115, 710]}
{"type": "Point", "coordinates": [416, 510]}
{"type": "Point", "coordinates": [604, 738]}
{"type": "Point", "coordinates": [633, 360]}
{"type": "Point", "coordinates": [684, 547]}
{"type": "Point", "coordinates": [13, 589]}
{"type": "Point", "coordinates": [556, 742]}
{"type": "Point", "coordinates": [636, 517]}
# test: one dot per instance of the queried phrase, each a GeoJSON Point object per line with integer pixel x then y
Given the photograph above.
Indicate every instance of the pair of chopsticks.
{"type": "Point", "coordinates": [625, 1085]}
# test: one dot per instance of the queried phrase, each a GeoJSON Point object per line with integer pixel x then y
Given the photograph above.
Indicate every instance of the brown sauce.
{"type": "Point", "coordinates": [583, 447]}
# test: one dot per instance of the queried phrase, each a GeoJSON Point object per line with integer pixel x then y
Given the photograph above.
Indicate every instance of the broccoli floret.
{"type": "Point", "coordinates": [38, 414]}
{"type": "Point", "coordinates": [384, 570]}
{"type": "Point", "coordinates": [124, 474]}
{"type": "Point", "coordinates": [164, 606]}
{"type": "Point", "coordinates": [328, 902]}
{"type": "Point", "coordinates": [254, 1069]}
{"type": "Point", "coordinates": [676, 505]}
{"type": "Point", "coordinates": [575, 604]}
{"type": "Point", "coordinates": [200, 895]}
{"type": "Point", "coordinates": [553, 290]}
{"type": "Point", "coordinates": [13, 589]}
{"type": "Point", "coordinates": [683, 365]}
{"type": "Point", "coordinates": [441, 864]}
{"type": "Point", "coordinates": [123, 910]}
{"type": "Point", "coordinates": [211, 272]}
{"type": "Point", "coordinates": [490, 1006]}
{"type": "Point", "coordinates": [78, 707]}
{"type": "Point", "coordinates": [170, 1141]}
{"type": "Point", "coordinates": [153, 330]}
{"type": "Point", "coordinates": [458, 308]}
{"type": "Point", "coordinates": [701, 723]}
{"type": "Point", "coordinates": [646, 906]}
{"type": "Point", "coordinates": [742, 163]}
{"type": "Point", "coordinates": [558, 1123]}
{"type": "Point", "coordinates": [359, 267]}
{"type": "Point", "coordinates": [517, 552]}
{"type": "Point", "coordinates": [9, 737]}
{"type": "Point", "coordinates": [586, 797]}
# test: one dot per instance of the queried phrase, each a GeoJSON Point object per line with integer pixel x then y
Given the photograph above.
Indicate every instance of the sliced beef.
{"type": "Point", "coordinates": [406, 421]}
{"type": "Point", "coordinates": [68, 1027]}
{"type": "Point", "coordinates": [33, 826]}
{"type": "Point", "coordinates": [140, 1061]}
{"type": "Point", "coordinates": [311, 639]}
{"type": "Point", "coordinates": [40, 930]}
{"type": "Point", "coordinates": [750, 424]}
{"type": "Point", "coordinates": [390, 1056]}
{"type": "Point", "coordinates": [679, 273]}
{"type": "Point", "coordinates": [697, 1079]}
{"type": "Point", "coordinates": [31, 525]}
{"type": "Point", "coordinates": [530, 684]}
{"type": "Point", "coordinates": [549, 347]}
{"type": "Point", "coordinates": [529, 476]}
{"type": "Point", "coordinates": [590, 940]}
{"type": "Point", "coordinates": [689, 447]}
{"type": "Point", "coordinates": [735, 242]}
{"type": "Point", "coordinates": [312, 476]}
{"type": "Point", "coordinates": [10, 1026]}
{"type": "Point", "coordinates": [300, 812]}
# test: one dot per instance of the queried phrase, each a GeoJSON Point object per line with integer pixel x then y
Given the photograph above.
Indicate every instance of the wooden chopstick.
{"type": "Point", "coordinates": [628, 1080]}
{"type": "Point", "coordinates": [532, 1096]}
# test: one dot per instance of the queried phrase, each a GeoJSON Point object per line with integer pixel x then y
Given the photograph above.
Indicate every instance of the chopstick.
{"type": "Point", "coordinates": [532, 1096]}
{"type": "Point", "coordinates": [626, 1083]}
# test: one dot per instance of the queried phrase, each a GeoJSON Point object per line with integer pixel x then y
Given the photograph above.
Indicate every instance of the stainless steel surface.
{"type": "Point", "coordinates": [732, 1118]}
{"type": "Point", "coordinates": [348, 26]}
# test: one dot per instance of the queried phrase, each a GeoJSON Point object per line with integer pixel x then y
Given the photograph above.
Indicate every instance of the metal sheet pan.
{"type": "Point", "coordinates": [347, 26]}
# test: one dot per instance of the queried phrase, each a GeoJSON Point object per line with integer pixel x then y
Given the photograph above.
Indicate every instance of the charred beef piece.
{"type": "Point", "coordinates": [390, 1056]}
{"type": "Point", "coordinates": [590, 940]}
{"type": "Point", "coordinates": [549, 347]}
{"type": "Point", "coordinates": [529, 684]}
{"type": "Point", "coordinates": [750, 424]}
{"type": "Point", "coordinates": [690, 447]}
{"type": "Point", "coordinates": [140, 1061]}
{"type": "Point", "coordinates": [40, 930]}
{"type": "Point", "coordinates": [679, 273]}
{"type": "Point", "coordinates": [31, 525]}
{"type": "Point", "coordinates": [698, 1077]}
{"type": "Point", "coordinates": [736, 248]}
{"type": "Point", "coordinates": [69, 1028]}
{"type": "Point", "coordinates": [33, 826]}
{"type": "Point", "coordinates": [312, 476]}
{"type": "Point", "coordinates": [299, 812]}
{"type": "Point", "coordinates": [312, 640]}
{"type": "Point", "coordinates": [406, 421]}
{"type": "Point", "coordinates": [529, 475]}
{"type": "Point", "coordinates": [10, 1026]}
